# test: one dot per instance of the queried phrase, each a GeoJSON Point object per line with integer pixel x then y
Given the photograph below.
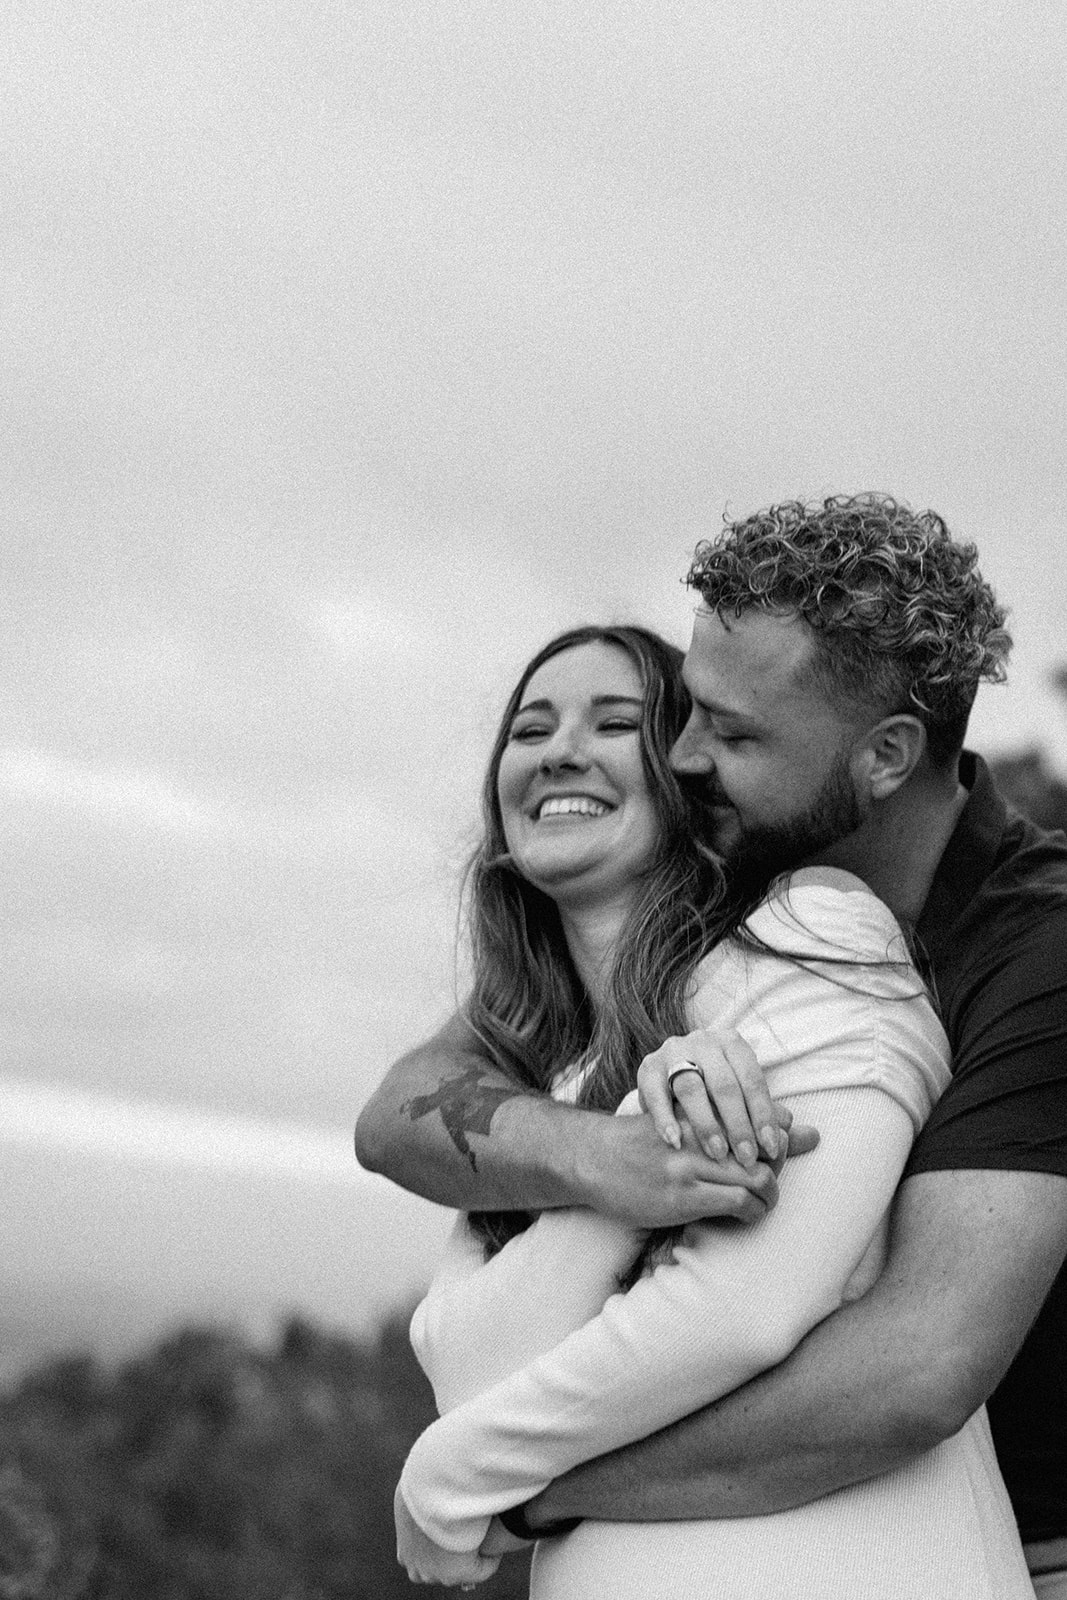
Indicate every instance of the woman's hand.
{"type": "Point", "coordinates": [427, 1562]}
{"type": "Point", "coordinates": [714, 1080]}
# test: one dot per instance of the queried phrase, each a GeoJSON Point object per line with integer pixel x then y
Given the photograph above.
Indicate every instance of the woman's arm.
{"type": "Point", "coordinates": [482, 1320]}
{"type": "Point", "coordinates": [730, 1304]}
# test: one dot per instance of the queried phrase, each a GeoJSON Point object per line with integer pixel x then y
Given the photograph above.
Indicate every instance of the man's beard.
{"type": "Point", "coordinates": [760, 852]}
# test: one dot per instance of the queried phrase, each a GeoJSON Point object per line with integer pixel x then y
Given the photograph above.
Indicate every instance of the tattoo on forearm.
{"type": "Point", "coordinates": [467, 1105]}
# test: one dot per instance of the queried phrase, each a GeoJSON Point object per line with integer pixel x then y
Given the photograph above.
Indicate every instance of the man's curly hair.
{"type": "Point", "coordinates": [903, 619]}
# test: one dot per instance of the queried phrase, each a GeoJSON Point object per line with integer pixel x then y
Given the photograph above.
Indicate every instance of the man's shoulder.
{"type": "Point", "coordinates": [999, 935]}
{"type": "Point", "coordinates": [1028, 879]}
{"type": "Point", "coordinates": [1009, 866]}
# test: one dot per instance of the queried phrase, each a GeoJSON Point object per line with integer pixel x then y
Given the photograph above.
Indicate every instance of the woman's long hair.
{"type": "Point", "coordinates": [528, 1005]}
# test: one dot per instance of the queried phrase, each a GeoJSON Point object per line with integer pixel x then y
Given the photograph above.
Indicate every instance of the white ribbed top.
{"type": "Point", "coordinates": [538, 1363]}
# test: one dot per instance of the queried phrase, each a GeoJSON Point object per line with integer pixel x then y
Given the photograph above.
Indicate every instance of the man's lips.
{"type": "Point", "coordinates": [702, 800]}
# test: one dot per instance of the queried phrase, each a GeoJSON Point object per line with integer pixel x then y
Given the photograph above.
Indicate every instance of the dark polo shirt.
{"type": "Point", "coordinates": [993, 941]}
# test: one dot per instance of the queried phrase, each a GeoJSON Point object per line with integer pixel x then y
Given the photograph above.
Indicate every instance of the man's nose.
{"type": "Point", "coordinates": [688, 756]}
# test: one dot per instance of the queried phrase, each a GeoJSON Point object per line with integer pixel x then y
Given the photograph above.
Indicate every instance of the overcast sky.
{"type": "Point", "coordinates": [351, 350]}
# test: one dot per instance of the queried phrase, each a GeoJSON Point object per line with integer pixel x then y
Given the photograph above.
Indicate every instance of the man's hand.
{"type": "Point", "coordinates": [499, 1542]}
{"type": "Point", "coordinates": [626, 1170]}
{"type": "Point", "coordinates": [427, 1562]}
{"type": "Point", "coordinates": [715, 1081]}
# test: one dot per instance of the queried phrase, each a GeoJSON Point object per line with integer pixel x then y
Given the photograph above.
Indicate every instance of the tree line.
{"type": "Point", "coordinates": [211, 1469]}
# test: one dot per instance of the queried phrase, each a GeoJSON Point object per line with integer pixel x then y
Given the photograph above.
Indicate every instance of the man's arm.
{"type": "Point", "coordinates": [446, 1124]}
{"type": "Point", "coordinates": [972, 1257]}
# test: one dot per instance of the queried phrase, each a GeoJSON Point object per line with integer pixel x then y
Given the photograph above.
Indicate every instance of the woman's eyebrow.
{"type": "Point", "coordinates": [597, 700]}
{"type": "Point", "coordinates": [535, 705]}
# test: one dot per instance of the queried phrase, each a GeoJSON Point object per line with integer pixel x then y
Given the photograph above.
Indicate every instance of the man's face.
{"type": "Point", "coordinates": [764, 755]}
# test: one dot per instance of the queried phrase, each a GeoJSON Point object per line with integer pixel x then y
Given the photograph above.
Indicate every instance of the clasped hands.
{"type": "Point", "coordinates": [709, 1147]}
{"type": "Point", "coordinates": [715, 1081]}
{"type": "Point", "coordinates": [428, 1562]}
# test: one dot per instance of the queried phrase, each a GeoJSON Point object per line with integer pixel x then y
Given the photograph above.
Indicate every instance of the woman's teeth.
{"type": "Point", "coordinates": [579, 805]}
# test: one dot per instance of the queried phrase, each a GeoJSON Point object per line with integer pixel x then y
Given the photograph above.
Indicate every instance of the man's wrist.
{"type": "Point", "coordinates": [517, 1521]}
{"type": "Point", "coordinates": [585, 1158]}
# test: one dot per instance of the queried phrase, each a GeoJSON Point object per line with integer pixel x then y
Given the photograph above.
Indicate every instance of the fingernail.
{"type": "Point", "coordinates": [768, 1138]}
{"type": "Point", "coordinates": [673, 1137]}
{"type": "Point", "coordinates": [717, 1149]}
{"type": "Point", "coordinates": [746, 1153]}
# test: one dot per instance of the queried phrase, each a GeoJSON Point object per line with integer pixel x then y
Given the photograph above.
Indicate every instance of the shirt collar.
{"type": "Point", "coordinates": [968, 857]}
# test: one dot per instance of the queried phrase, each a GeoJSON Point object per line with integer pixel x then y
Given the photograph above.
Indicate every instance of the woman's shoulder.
{"type": "Point", "coordinates": [825, 912]}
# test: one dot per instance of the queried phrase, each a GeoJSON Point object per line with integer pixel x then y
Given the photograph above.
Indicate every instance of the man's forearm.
{"type": "Point", "coordinates": [871, 1387]}
{"type": "Point", "coordinates": [761, 1449]}
{"type": "Point", "coordinates": [448, 1125]}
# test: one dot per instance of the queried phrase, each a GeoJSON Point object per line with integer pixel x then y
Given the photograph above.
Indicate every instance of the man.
{"type": "Point", "coordinates": [834, 661]}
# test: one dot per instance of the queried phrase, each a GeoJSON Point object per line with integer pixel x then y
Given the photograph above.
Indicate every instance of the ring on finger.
{"type": "Point", "coordinates": [676, 1072]}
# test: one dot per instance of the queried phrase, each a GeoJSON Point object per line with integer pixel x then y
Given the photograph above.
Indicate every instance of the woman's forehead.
{"type": "Point", "coordinates": [590, 671]}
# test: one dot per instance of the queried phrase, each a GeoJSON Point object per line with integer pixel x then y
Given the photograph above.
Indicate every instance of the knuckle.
{"type": "Point", "coordinates": [728, 1096]}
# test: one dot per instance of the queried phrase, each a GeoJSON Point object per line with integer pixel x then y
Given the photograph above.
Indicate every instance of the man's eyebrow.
{"type": "Point", "coordinates": [714, 709]}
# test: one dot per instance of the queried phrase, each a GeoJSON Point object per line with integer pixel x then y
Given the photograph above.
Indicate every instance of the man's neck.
{"type": "Point", "coordinates": [897, 850]}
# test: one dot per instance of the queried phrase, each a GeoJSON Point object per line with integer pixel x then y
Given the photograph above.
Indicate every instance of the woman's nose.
{"type": "Point", "coordinates": [564, 752]}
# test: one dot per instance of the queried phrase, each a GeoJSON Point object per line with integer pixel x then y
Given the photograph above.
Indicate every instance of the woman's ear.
{"type": "Point", "coordinates": [891, 751]}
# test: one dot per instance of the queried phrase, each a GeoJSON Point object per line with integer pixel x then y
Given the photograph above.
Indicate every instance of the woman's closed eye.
{"type": "Point", "coordinates": [528, 731]}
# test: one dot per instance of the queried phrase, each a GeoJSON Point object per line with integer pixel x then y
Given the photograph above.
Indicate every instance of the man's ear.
{"type": "Point", "coordinates": [890, 752]}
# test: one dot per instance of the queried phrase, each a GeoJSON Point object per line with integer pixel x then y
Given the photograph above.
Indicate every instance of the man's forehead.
{"type": "Point", "coordinates": [752, 649]}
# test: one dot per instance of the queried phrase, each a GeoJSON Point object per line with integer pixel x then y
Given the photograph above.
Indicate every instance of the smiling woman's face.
{"type": "Point", "coordinates": [574, 797]}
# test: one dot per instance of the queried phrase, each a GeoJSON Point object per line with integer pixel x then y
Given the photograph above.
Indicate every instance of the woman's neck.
{"type": "Point", "coordinates": [592, 933]}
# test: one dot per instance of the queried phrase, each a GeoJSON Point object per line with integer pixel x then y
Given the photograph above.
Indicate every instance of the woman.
{"type": "Point", "coordinates": [537, 1361]}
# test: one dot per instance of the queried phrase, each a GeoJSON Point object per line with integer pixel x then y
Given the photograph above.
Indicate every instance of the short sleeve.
{"type": "Point", "coordinates": [1006, 1015]}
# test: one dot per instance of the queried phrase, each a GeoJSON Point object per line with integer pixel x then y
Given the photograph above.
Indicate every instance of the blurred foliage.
{"type": "Point", "coordinates": [208, 1469]}
{"type": "Point", "coordinates": [1030, 784]}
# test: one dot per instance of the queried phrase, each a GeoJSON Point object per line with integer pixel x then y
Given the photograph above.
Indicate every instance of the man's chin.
{"type": "Point", "coordinates": [756, 859]}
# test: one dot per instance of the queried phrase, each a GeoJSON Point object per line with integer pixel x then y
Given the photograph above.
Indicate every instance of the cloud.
{"type": "Point", "coordinates": [46, 1117]}
{"type": "Point", "coordinates": [110, 794]}
{"type": "Point", "coordinates": [328, 825]}
{"type": "Point", "coordinates": [350, 361]}
{"type": "Point", "coordinates": [367, 628]}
